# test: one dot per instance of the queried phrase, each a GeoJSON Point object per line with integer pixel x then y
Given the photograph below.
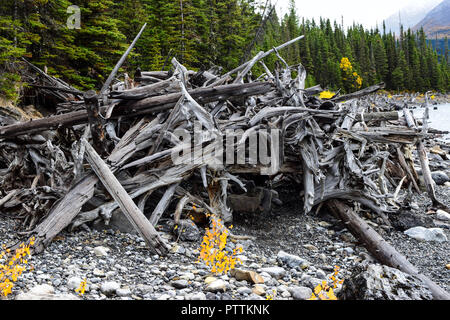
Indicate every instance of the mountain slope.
{"type": "Point", "coordinates": [437, 22]}
{"type": "Point", "coordinates": [410, 15]}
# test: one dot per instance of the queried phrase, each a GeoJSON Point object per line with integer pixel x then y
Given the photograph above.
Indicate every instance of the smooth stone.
{"type": "Point", "coordinates": [209, 280]}
{"type": "Point", "coordinates": [300, 293]}
{"type": "Point", "coordinates": [180, 284]}
{"type": "Point", "coordinates": [276, 272]}
{"type": "Point", "coordinates": [414, 206]}
{"type": "Point", "coordinates": [74, 283]}
{"type": "Point", "coordinates": [254, 297]}
{"type": "Point", "coordinates": [424, 234]}
{"type": "Point", "coordinates": [349, 250]}
{"type": "Point", "coordinates": [44, 292]}
{"type": "Point", "coordinates": [259, 290]}
{"type": "Point", "coordinates": [244, 290]}
{"type": "Point", "coordinates": [320, 274]}
{"type": "Point", "coordinates": [98, 273]}
{"type": "Point", "coordinates": [123, 292]}
{"type": "Point", "coordinates": [442, 215]}
{"type": "Point", "coordinates": [101, 251]}
{"type": "Point", "coordinates": [440, 177]}
{"type": "Point", "coordinates": [109, 287]}
{"type": "Point", "coordinates": [197, 296]}
{"type": "Point", "coordinates": [216, 286]}
{"type": "Point", "coordinates": [187, 276]}
{"type": "Point", "coordinates": [247, 275]}
{"type": "Point", "coordinates": [310, 247]}
{"type": "Point", "coordinates": [292, 261]}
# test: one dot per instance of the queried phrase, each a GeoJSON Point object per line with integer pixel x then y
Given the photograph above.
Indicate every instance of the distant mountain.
{"type": "Point", "coordinates": [410, 15]}
{"type": "Point", "coordinates": [436, 23]}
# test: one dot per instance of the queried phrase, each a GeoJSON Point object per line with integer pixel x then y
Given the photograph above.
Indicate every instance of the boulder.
{"type": "Point", "coordinates": [379, 282]}
{"type": "Point", "coordinates": [424, 234]}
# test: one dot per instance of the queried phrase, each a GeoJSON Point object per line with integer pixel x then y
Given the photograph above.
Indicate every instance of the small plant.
{"type": "Point", "coordinates": [352, 81]}
{"type": "Point", "coordinates": [271, 296]}
{"type": "Point", "coordinates": [12, 266]}
{"type": "Point", "coordinates": [82, 288]}
{"type": "Point", "coordinates": [326, 95]}
{"type": "Point", "coordinates": [212, 249]}
{"type": "Point", "coordinates": [324, 291]}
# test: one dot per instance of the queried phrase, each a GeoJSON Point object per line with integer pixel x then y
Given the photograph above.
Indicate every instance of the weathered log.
{"type": "Point", "coordinates": [360, 93]}
{"type": "Point", "coordinates": [129, 208]}
{"type": "Point", "coordinates": [163, 204]}
{"type": "Point", "coordinates": [379, 248]}
{"type": "Point", "coordinates": [162, 75]}
{"type": "Point", "coordinates": [225, 77]}
{"type": "Point", "coordinates": [66, 209]}
{"type": "Point", "coordinates": [141, 107]}
{"type": "Point", "coordinates": [379, 116]}
{"type": "Point", "coordinates": [120, 62]}
{"type": "Point", "coordinates": [155, 89]}
{"type": "Point", "coordinates": [402, 161]}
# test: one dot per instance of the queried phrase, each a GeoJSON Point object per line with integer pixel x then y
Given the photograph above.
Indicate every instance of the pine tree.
{"type": "Point", "coordinates": [380, 57]}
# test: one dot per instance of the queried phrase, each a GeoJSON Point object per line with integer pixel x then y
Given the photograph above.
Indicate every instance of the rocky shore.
{"type": "Point", "coordinates": [288, 256]}
{"type": "Point", "coordinates": [291, 254]}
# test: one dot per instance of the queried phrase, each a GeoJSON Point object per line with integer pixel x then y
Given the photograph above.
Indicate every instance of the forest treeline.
{"type": "Point", "coordinates": [206, 33]}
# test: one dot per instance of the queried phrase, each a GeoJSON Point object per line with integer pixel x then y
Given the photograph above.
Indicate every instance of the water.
{"type": "Point", "coordinates": [439, 119]}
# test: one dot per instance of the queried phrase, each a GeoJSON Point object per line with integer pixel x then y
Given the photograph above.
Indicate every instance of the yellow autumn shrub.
{"type": "Point", "coordinates": [352, 80]}
{"type": "Point", "coordinates": [12, 265]}
{"type": "Point", "coordinates": [325, 291]}
{"type": "Point", "coordinates": [326, 95]}
{"type": "Point", "coordinates": [212, 249]}
{"type": "Point", "coordinates": [82, 288]}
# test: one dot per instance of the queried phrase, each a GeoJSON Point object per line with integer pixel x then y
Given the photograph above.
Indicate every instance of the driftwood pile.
{"type": "Point", "coordinates": [114, 151]}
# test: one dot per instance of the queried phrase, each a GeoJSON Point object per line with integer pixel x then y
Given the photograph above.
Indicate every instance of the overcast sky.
{"type": "Point", "coordinates": [365, 12]}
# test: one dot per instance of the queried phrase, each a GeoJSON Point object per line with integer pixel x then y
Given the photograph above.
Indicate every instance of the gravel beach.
{"type": "Point", "coordinates": [291, 252]}
{"type": "Point", "coordinates": [118, 266]}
